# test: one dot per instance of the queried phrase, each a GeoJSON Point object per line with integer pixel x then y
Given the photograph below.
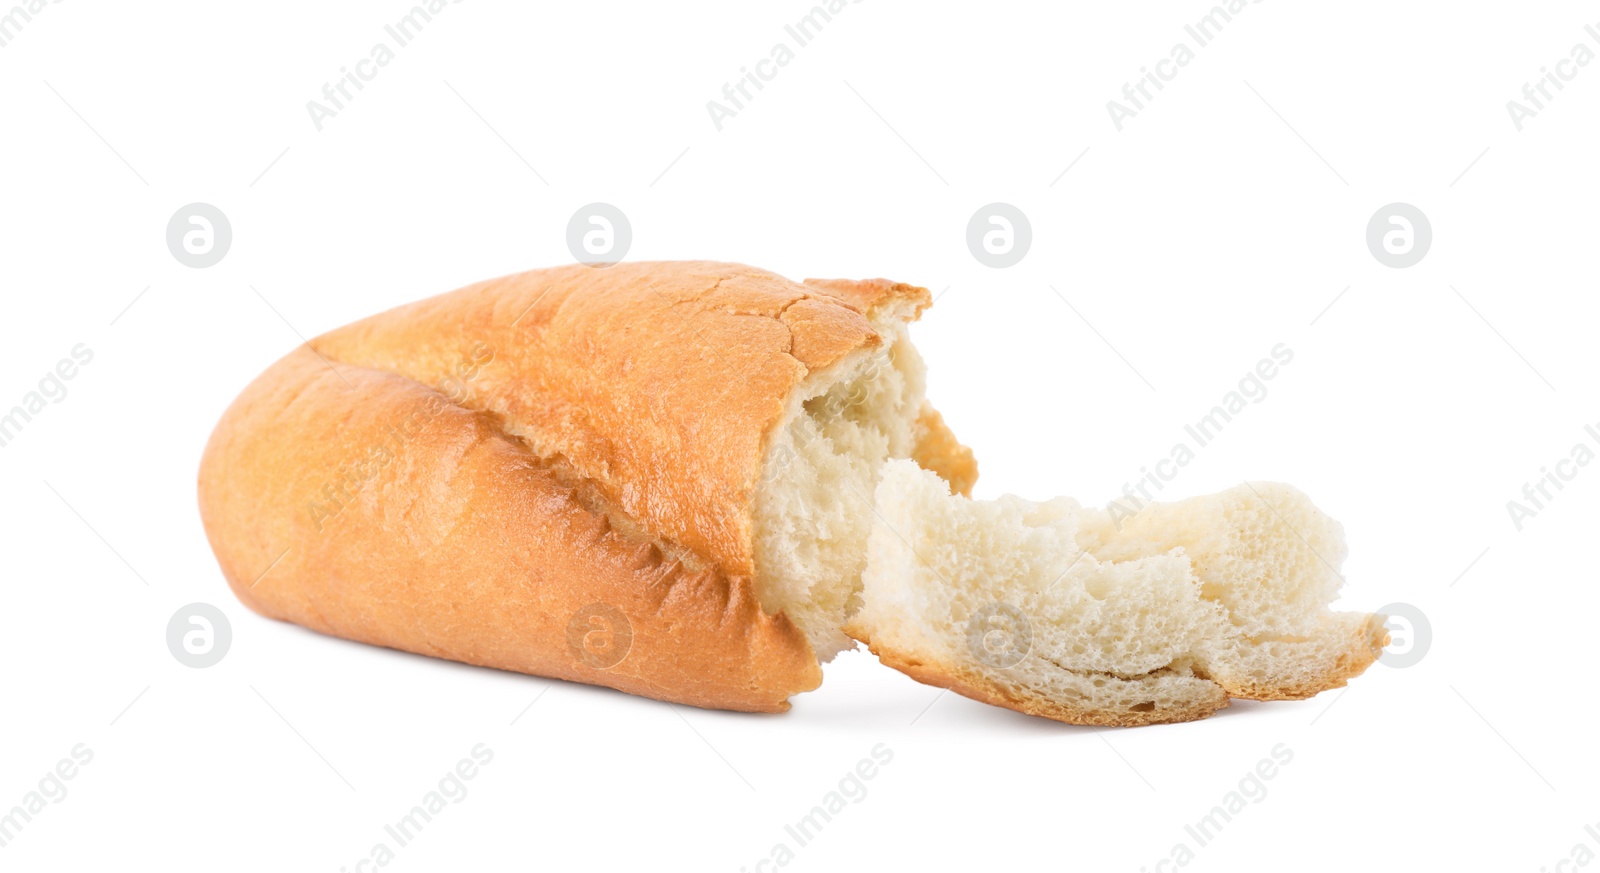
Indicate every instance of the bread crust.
{"type": "Point", "coordinates": [657, 383]}
{"type": "Point", "coordinates": [975, 686]}
{"type": "Point", "coordinates": [1361, 645]}
{"type": "Point", "coordinates": [1329, 666]}
{"type": "Point", "coordinates": [463, 476]}
{"type": "Point", "coordinates": [937, 449]}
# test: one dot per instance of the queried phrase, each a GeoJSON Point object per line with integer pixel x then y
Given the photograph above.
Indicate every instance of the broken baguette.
{"type": "Point", "coordinates": [697, 481]}
{"type": "Point", "coordinates": [1051, 609]}
{"type": "Point", "coordinates": [643, 477]}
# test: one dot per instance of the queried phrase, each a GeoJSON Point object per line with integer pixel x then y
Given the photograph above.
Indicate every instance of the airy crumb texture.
{"type": "Point", "coordinates": [1051, 609]}
{"type": "Point", "coordinates": [813, 510]}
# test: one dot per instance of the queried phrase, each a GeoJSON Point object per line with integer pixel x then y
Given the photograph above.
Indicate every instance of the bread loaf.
{"type": "Point", "coordinates": [697, 481]}
{"type": "Point", "coordinates": [583, 473]}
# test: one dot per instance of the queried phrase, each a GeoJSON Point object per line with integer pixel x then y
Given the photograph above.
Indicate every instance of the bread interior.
{"type": "Point", "coordinates": [813, 505]}
{"type": "Point", "coordinates": [1058, 609]}
{"type": "Point", "coordinates": [1052, 608]}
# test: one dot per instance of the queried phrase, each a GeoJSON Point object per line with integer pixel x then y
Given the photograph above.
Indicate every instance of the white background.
{"type": "Point", "coordinates": [1193, 241]}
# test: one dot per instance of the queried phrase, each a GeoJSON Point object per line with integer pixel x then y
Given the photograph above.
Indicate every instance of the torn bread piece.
{"type": "Point", "coordinates": [1052, 610]}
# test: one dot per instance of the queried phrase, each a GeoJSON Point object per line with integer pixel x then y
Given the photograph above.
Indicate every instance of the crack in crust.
{"type": "Point", "coordinates": [649, 382]}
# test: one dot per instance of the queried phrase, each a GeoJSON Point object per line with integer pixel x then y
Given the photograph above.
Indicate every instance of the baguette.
{"type": "Point", "coordinates": [560, 472]}
{"type": "Point", "coordinates": [698, 481]}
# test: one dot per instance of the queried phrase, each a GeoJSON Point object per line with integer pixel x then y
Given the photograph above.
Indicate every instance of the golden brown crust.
{"type": "Point", "coordinates": [442, 535]}
{"type": "Point", "coordinates": [655, 382]}
{"type": "Point", "coordinates": [462, 476]}
{"type": "Point", "coordinates": [869, 296]}
{"type": "Point", "coordinates": [973, 685]}
{"type": "Point", "coordinates": [938, 450]}
{"type": "Point", "coordinates": [1365, 643]}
